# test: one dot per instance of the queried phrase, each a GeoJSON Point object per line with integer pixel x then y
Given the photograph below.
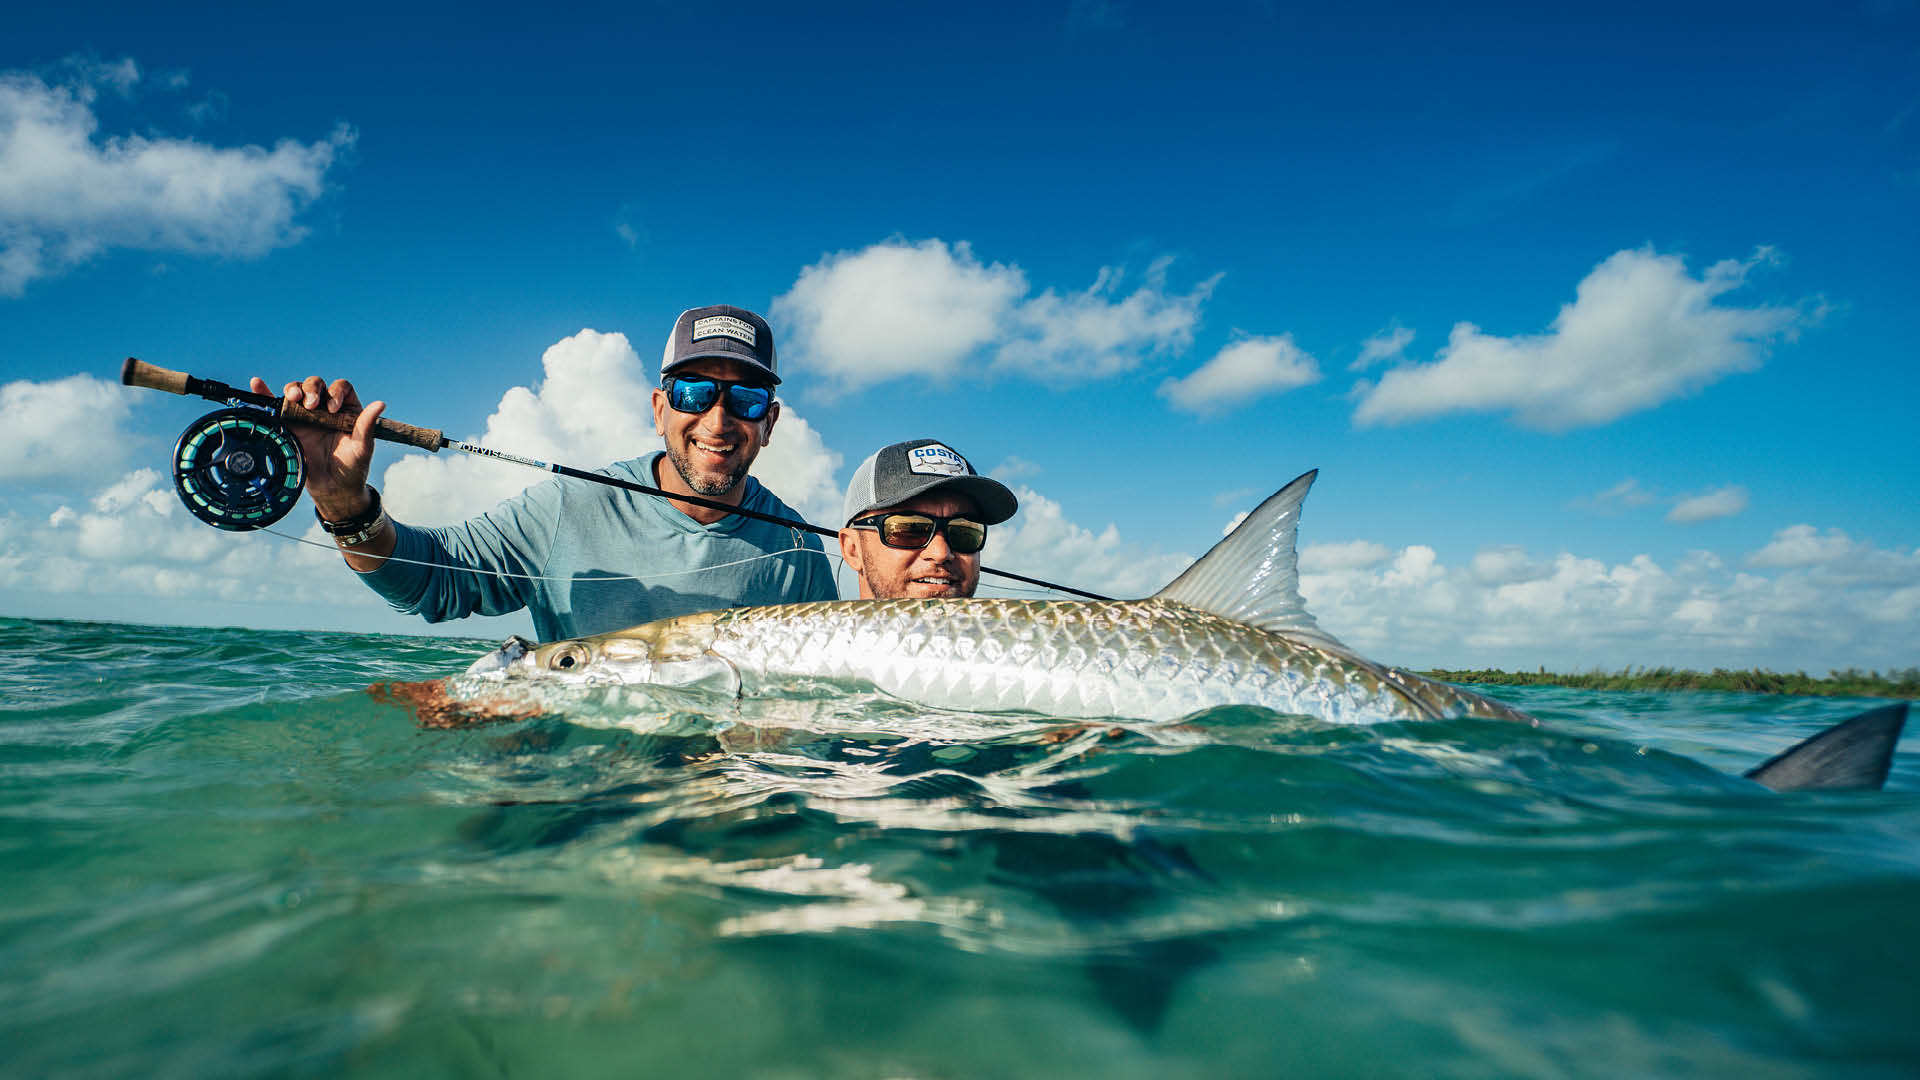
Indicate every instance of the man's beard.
{"type": "Point", "coordinates": [709, 488]}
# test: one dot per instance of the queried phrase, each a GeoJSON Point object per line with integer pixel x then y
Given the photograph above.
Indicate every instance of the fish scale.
{"type": "Point", "coordinates": [1148, 658]}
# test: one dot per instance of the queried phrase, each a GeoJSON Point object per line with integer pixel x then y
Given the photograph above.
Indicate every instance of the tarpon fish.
{"type": "Point", "coordinates": [1231, 630]}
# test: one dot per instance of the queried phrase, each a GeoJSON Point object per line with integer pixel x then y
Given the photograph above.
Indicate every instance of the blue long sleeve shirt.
{"type": "Point", "coordinates": [585, 558]}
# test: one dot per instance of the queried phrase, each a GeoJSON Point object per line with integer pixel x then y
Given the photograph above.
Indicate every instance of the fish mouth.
{"type": "Point", "coordinates": [501, 660]}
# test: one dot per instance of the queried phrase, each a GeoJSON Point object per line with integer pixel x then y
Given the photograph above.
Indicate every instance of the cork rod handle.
{"type": "Point", "coordinates": [140, 373]}
{"type": "Point", "coordinates": [136, 372]}
{"type": "Point", "coordinates": [389, 430]}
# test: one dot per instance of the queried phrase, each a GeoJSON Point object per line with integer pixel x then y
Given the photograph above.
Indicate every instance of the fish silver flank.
{"type": "Point", "coordinates": [1231, 630]}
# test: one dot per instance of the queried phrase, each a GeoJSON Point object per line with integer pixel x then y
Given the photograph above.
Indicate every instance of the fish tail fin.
{"type": "Point", "coordinates": [1253, 576]}
{"type": "Point", "coordinates": [1852, 755]}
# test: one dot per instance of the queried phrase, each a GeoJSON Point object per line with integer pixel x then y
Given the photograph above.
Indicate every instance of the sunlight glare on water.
{"type": "Point", "coordinates": [224, 856]}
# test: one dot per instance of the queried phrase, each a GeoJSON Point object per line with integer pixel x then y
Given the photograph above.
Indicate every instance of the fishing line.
{"type": "Point", "coordinates": [539, 577]}
{"type": "Point", "coordinates": [832, 555]}
{"type": "Point", "coordinates": [240, 470]}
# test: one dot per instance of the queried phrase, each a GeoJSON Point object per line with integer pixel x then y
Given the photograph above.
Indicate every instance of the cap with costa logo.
{"type": "Point", "coordinates": [721, 331]}
{"type": "Point", "coordinates": [893, 474]}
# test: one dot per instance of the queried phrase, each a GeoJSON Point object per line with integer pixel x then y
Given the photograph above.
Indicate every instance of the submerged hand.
{"type": "Point", "coordinates": [337, 463]}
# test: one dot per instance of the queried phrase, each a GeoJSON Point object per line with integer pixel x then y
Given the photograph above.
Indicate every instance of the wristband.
{"type": "Point", "coordinates": [347, 540]}
{"type": "Point", "coordinates": [358, 523]}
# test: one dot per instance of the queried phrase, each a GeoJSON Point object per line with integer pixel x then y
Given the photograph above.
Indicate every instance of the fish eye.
{"type": "Point", "coordinates": [568, 657]}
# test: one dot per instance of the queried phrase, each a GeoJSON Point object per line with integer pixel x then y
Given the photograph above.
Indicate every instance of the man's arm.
{"type": "Point", "coordinates": [446, 572]}
{"type": "Point", "coordinates": [484, 565]}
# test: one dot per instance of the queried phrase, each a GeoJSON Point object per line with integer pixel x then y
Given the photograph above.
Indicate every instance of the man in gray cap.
{"type": "Point", "coordinates": [587, 558]}
{"type": "Point", "coordinates": [916, 520]}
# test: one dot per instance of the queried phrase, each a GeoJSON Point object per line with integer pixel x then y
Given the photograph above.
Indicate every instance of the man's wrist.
{"type": "Point", "coordinates": [354, 540]}
{"type": "Point", "coordinates": [346, 518]}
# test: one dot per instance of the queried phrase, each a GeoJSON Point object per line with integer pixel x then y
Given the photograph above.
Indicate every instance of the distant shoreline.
{"type": "Point", "coordinates": [1849, 683]}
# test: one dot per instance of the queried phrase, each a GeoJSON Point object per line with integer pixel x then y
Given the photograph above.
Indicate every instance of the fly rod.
{"type": "Point", "coordinates": [238, 469]}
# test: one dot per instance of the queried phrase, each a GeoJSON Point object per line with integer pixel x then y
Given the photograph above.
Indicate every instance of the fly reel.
{"type": "Point", "coordinates": [238, 469]}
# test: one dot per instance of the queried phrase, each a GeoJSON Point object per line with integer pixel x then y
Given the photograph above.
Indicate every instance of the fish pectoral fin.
{"type": "Point", "coordinates": [1852, 755]}
{"type": "Point", "coordinates": [707, 671]}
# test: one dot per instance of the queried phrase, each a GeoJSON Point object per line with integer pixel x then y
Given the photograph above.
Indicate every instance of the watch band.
{"type": "Point", "coordinates": [358, 523]}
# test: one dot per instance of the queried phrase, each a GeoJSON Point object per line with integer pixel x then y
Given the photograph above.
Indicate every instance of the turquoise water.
{"type": "Point", "coordinates": [223, 856]}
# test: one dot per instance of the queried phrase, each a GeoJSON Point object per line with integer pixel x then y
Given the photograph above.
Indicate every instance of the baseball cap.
{"type": "Point", "coordinates": [724, 331]}
{"type": "Point", "coordinates": [893, 474]}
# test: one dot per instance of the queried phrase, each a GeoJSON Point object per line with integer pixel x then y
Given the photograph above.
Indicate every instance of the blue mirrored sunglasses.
{"type": "Point", "coordinates": [697, 393]}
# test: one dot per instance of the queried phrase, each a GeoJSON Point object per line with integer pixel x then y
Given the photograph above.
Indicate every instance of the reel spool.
{"type": "Point", "coordinates": [238, 469]}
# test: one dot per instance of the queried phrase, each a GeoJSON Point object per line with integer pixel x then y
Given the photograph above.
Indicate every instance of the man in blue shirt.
{"type": "Point", "coordinates": [586, 558]}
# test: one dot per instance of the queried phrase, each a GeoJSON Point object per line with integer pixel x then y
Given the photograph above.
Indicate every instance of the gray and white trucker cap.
{"type": "Point", "coordinates": [724, 331]}
{"type": "Point", "coordinates": [894, 474]}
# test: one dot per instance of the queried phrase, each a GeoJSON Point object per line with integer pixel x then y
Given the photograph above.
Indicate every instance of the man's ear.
{"type": "Point", "coordinates": [659, 412]}
{"type": "Point", "coordinates": [773, 413]}
{"type": "Point", "coordinates": [850, 550]}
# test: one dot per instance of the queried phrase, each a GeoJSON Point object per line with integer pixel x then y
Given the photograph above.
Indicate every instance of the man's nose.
{"type": "Point", "coordinates": [937, 549]}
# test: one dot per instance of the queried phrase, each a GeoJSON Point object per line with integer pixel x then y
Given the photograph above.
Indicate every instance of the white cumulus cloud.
{"type": "Point", "coordinates": [1247, 369]}
{"type": "Point", "coordinates": [1503, 565]}
{"type": "Point", "coordinates": [69, 427]}
{"type": "Point", "coordinates": [1803, 545]}
{"type": "Point", "coordinates": [1834, 558]}
{"type": "Point", "coordinates": [1837, 603]}
{"type": "Point", "coordinates": [1708, 505]}
{"type": "Point", "coordinates": [68, 191]}
{"type": "Point", "coordinates": [1344, 555]}
{"type": "Point", "coordinates": [1041, 542]}
{"type": "Point", "coordinates": [1640, 331]}
{"type": "Point", "coordinates": [132, 538]}
{"type": "Point", "coordinates": [930, 310]}
{"type": "Point", "coordinates": [1627, 492]}
{"type": "Point", "coordinates": [1385, 345]}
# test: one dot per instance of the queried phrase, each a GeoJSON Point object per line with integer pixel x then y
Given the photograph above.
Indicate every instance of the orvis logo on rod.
{"type": "Point", "coordinates": [726, 326]}
{"type": "Point", "coordinates": [936, 460]}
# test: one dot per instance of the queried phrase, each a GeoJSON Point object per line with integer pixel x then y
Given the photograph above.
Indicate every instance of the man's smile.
{"type": "Point", "coordinates": [931, 585]}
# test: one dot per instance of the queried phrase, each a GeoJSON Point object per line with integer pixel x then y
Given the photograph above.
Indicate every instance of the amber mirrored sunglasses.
{"type": "Point", "coordinates": [912, 531]}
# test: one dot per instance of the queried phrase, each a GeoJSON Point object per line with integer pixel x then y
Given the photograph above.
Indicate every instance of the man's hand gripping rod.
{"type": "Point", "coordinates": [135, 372]}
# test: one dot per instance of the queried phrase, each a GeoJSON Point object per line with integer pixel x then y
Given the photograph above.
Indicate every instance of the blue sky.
{"type": "Point", "coordinates": [1595, 319]}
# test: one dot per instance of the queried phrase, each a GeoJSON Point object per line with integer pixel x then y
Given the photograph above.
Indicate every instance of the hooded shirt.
{"type": "Point", "coordinates": [586, 558]}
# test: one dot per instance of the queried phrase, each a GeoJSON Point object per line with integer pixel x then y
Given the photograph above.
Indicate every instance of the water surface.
{"type": "Point", "coordinates": [223, 856]}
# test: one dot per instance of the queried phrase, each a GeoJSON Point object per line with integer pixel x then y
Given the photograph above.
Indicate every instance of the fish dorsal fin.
{"type": "Point", "coordinates": [1853, 755]}
{"type": "Point", "coordinates": [1253, 576]}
